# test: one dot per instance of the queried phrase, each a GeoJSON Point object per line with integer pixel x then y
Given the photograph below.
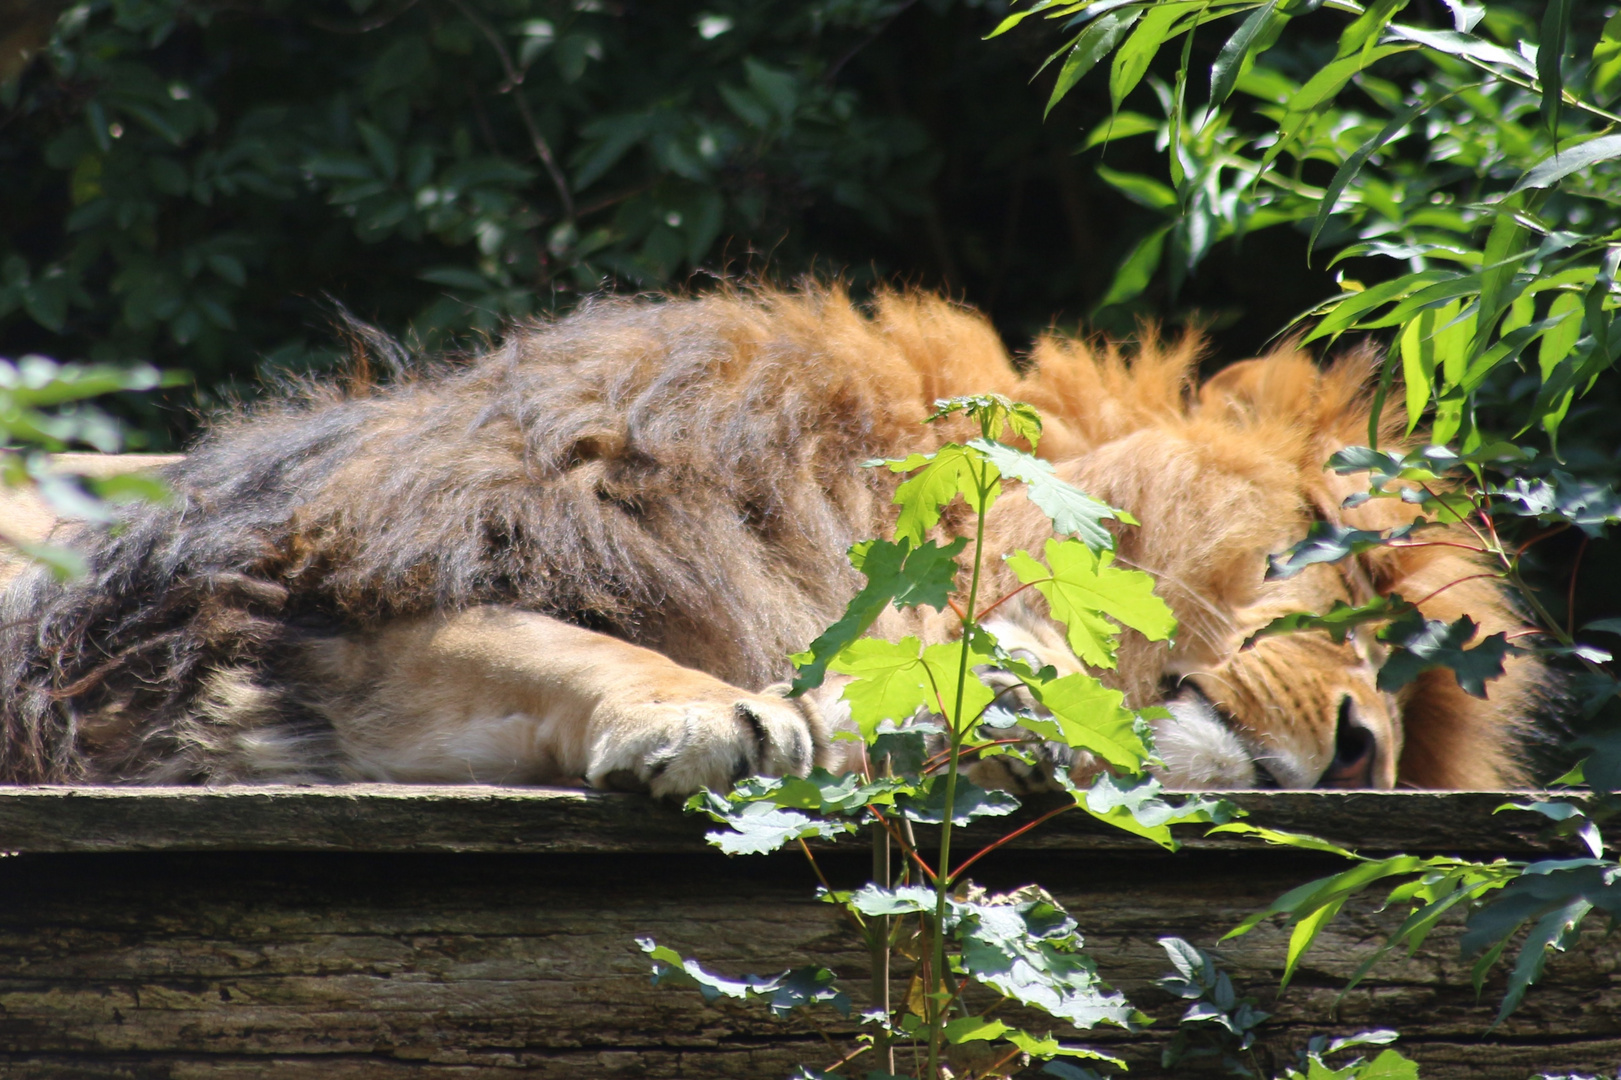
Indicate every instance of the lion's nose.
{"type": "Point", "coordinates": [1355, 752]}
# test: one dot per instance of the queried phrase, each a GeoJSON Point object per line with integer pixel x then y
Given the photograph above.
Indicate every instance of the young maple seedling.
{"type": "Point", "coordinates": [923, 711]}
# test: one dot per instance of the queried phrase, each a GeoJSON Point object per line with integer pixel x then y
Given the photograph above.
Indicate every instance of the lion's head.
{"type": "Point", "coordinates": [1222, 475]}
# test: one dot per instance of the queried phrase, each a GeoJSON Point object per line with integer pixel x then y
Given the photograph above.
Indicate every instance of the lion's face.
{"type": "Point", "coordinates": [1291, 711]}
{"type": "Point", "coordinates": [1304, 713]}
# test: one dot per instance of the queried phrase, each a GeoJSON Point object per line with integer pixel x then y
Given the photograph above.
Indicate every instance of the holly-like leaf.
{"type": "Point", "coordinates": [1585, 504]}
{"type": "Point", "coordinates": [1082, 586]}
{"type": "Point", "coordinates": [1328, 542]}
{"type": "Point", "coordinates": [1072, 510]}
{"type": "Point", "coordinates": [939, 478]}
{"type": "Point", "coordinates": [758, 827]}
{"type": "Point", "coordinates": [901, 573]}
{"type": "Point", "coordinates": [1339, 620]}
{"type": "Point", "coordinates": [783, 993]}
{"type": "Point", "coordinates": [1421, 644]}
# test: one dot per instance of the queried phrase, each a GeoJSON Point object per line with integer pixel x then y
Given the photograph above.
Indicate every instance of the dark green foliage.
{"type": "Point", "coordinates": [1419, 644]}
{"type": "Point", "coordinates": [196, 185]}
{"type": "Point", "coordinates": [1328, 542]}
{"type": "Point", "coordinates": [46, 406]}
{"type": "Point", "coordinates": [783, 993]}
{"type": "Point", "coordinates": [1339, 620]}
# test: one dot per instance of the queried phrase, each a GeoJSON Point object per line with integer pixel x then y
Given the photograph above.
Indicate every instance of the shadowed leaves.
{"type": "Point", "coordinates": [1339, 620]}
{"type": "Point", "coordinates": [1421, 644]}
{"type": "Point", "coordinates": [1328, 542]}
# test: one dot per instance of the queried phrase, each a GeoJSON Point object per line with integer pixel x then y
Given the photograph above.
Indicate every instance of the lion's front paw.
{"type": "Point", "coordinates": [676, 747]}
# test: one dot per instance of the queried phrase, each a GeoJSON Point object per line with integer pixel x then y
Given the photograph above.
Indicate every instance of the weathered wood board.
{"type": "Point", "coordinates": [386, 932]}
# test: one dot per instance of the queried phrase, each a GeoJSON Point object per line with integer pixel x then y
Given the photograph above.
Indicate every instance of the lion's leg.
{"type": "Point", "coordinates": [499, 695]}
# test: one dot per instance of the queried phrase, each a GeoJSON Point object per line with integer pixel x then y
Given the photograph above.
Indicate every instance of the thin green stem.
{"type": "Point", "coordinates": [1549, 623]}
{"type": "Point", "coordinates": [956, 733]}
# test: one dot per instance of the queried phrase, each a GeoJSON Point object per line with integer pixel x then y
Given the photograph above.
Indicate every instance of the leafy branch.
{"type": "Point", "coordinates": [924, 712]}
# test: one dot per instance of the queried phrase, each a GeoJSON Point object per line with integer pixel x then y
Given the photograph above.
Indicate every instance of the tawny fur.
{"type": "Point", "coordinates": [684, 476]}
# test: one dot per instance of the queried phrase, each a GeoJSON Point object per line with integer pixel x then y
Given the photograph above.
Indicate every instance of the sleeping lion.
{"type": "Point", "coordinates": [583, 557]}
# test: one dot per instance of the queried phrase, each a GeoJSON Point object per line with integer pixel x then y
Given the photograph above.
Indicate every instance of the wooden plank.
{"type": "Point", "coordinates": [381, 932]}
{"type": "Point", "coordinates": [379, 966]}
{"type": "Point", "coordinates": [470, 818]}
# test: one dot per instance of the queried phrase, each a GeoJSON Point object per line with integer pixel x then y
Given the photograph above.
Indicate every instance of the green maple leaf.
{"type": "Point", "coordinates": [940, 477]}
{"type": "Point", "coordinates": [1071, 509]}
{"type": "Point", "coordinates": [893, 679]}
{"type": "Point", "coordinates": [898, 573]}
{"type": "Point", "coordinates": [1089, 716]}
{"type": "Point", "coordinates": [1083, 586]}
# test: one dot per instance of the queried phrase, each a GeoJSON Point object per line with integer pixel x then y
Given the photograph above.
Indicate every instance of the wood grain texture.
{"type": "Point", "coordinates": [474, 818]}
{"type": "Point", "coordinates": [229, 935]}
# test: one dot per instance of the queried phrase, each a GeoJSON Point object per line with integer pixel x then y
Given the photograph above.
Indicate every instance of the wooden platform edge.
{"type": "Point", "coordinates": [406, 818]}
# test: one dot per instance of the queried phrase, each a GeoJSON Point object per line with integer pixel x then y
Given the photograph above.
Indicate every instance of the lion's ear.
{"type": "Point", "coordinates": [1234, 386]}
{"type": "Point", "coordinates": [1326, 404]}
{"type": "Point", "coordinates": [1285, 386]}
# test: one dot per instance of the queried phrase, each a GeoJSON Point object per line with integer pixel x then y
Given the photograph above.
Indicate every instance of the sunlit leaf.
{"type": "Point", "coordinates": [1604, 75]}
{"type": "Point", "coordinates": [1252, 35]}
{"type": "Point", "coordinates": [969, 801]}
{"type": "Point", "coordinates": [893, 680]}
{"type": "Point", "coordinates": [782, 993]}
{"type": "Point", "coordinates": [1550, 56]}
{"type": "Point", "coordinates": [937, 479]}
{"type": "Point", "coordinates": [1131, 60]}
{"type": "Point", "coordinates": [754, 828]}
{"type": "Point", "coordinates": [996, 414]}
{"type": "Point", "coordinates": [1082, 587]}
{"type": "Point", "coordinates": [1092, 45]}
{"type": "Point", "coordinates": [1353, 164]}
{"type": "Point", "coordinates": [898, 573]}
{"type": "Point", "coordinates": [1569, 160]}
{"type": "Point", "coordinates": [1072, 510]}
{"type": "Point", "coordinates": [1087, 715]}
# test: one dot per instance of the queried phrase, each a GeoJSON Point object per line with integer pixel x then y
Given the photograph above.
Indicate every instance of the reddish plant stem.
{"type": "Point", "coordinates": [981, 616]}
{"type": "Point", "coordinates": [1539, 537]}
{"type": "Point", "coordinates": [900, 840]}
{"type": "Point", "coordinates": [1570, 595]}
{"type": "Point", "coordinates": [1015, 834]}
{"type": "Point", "coordinates": [1460, 581]}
